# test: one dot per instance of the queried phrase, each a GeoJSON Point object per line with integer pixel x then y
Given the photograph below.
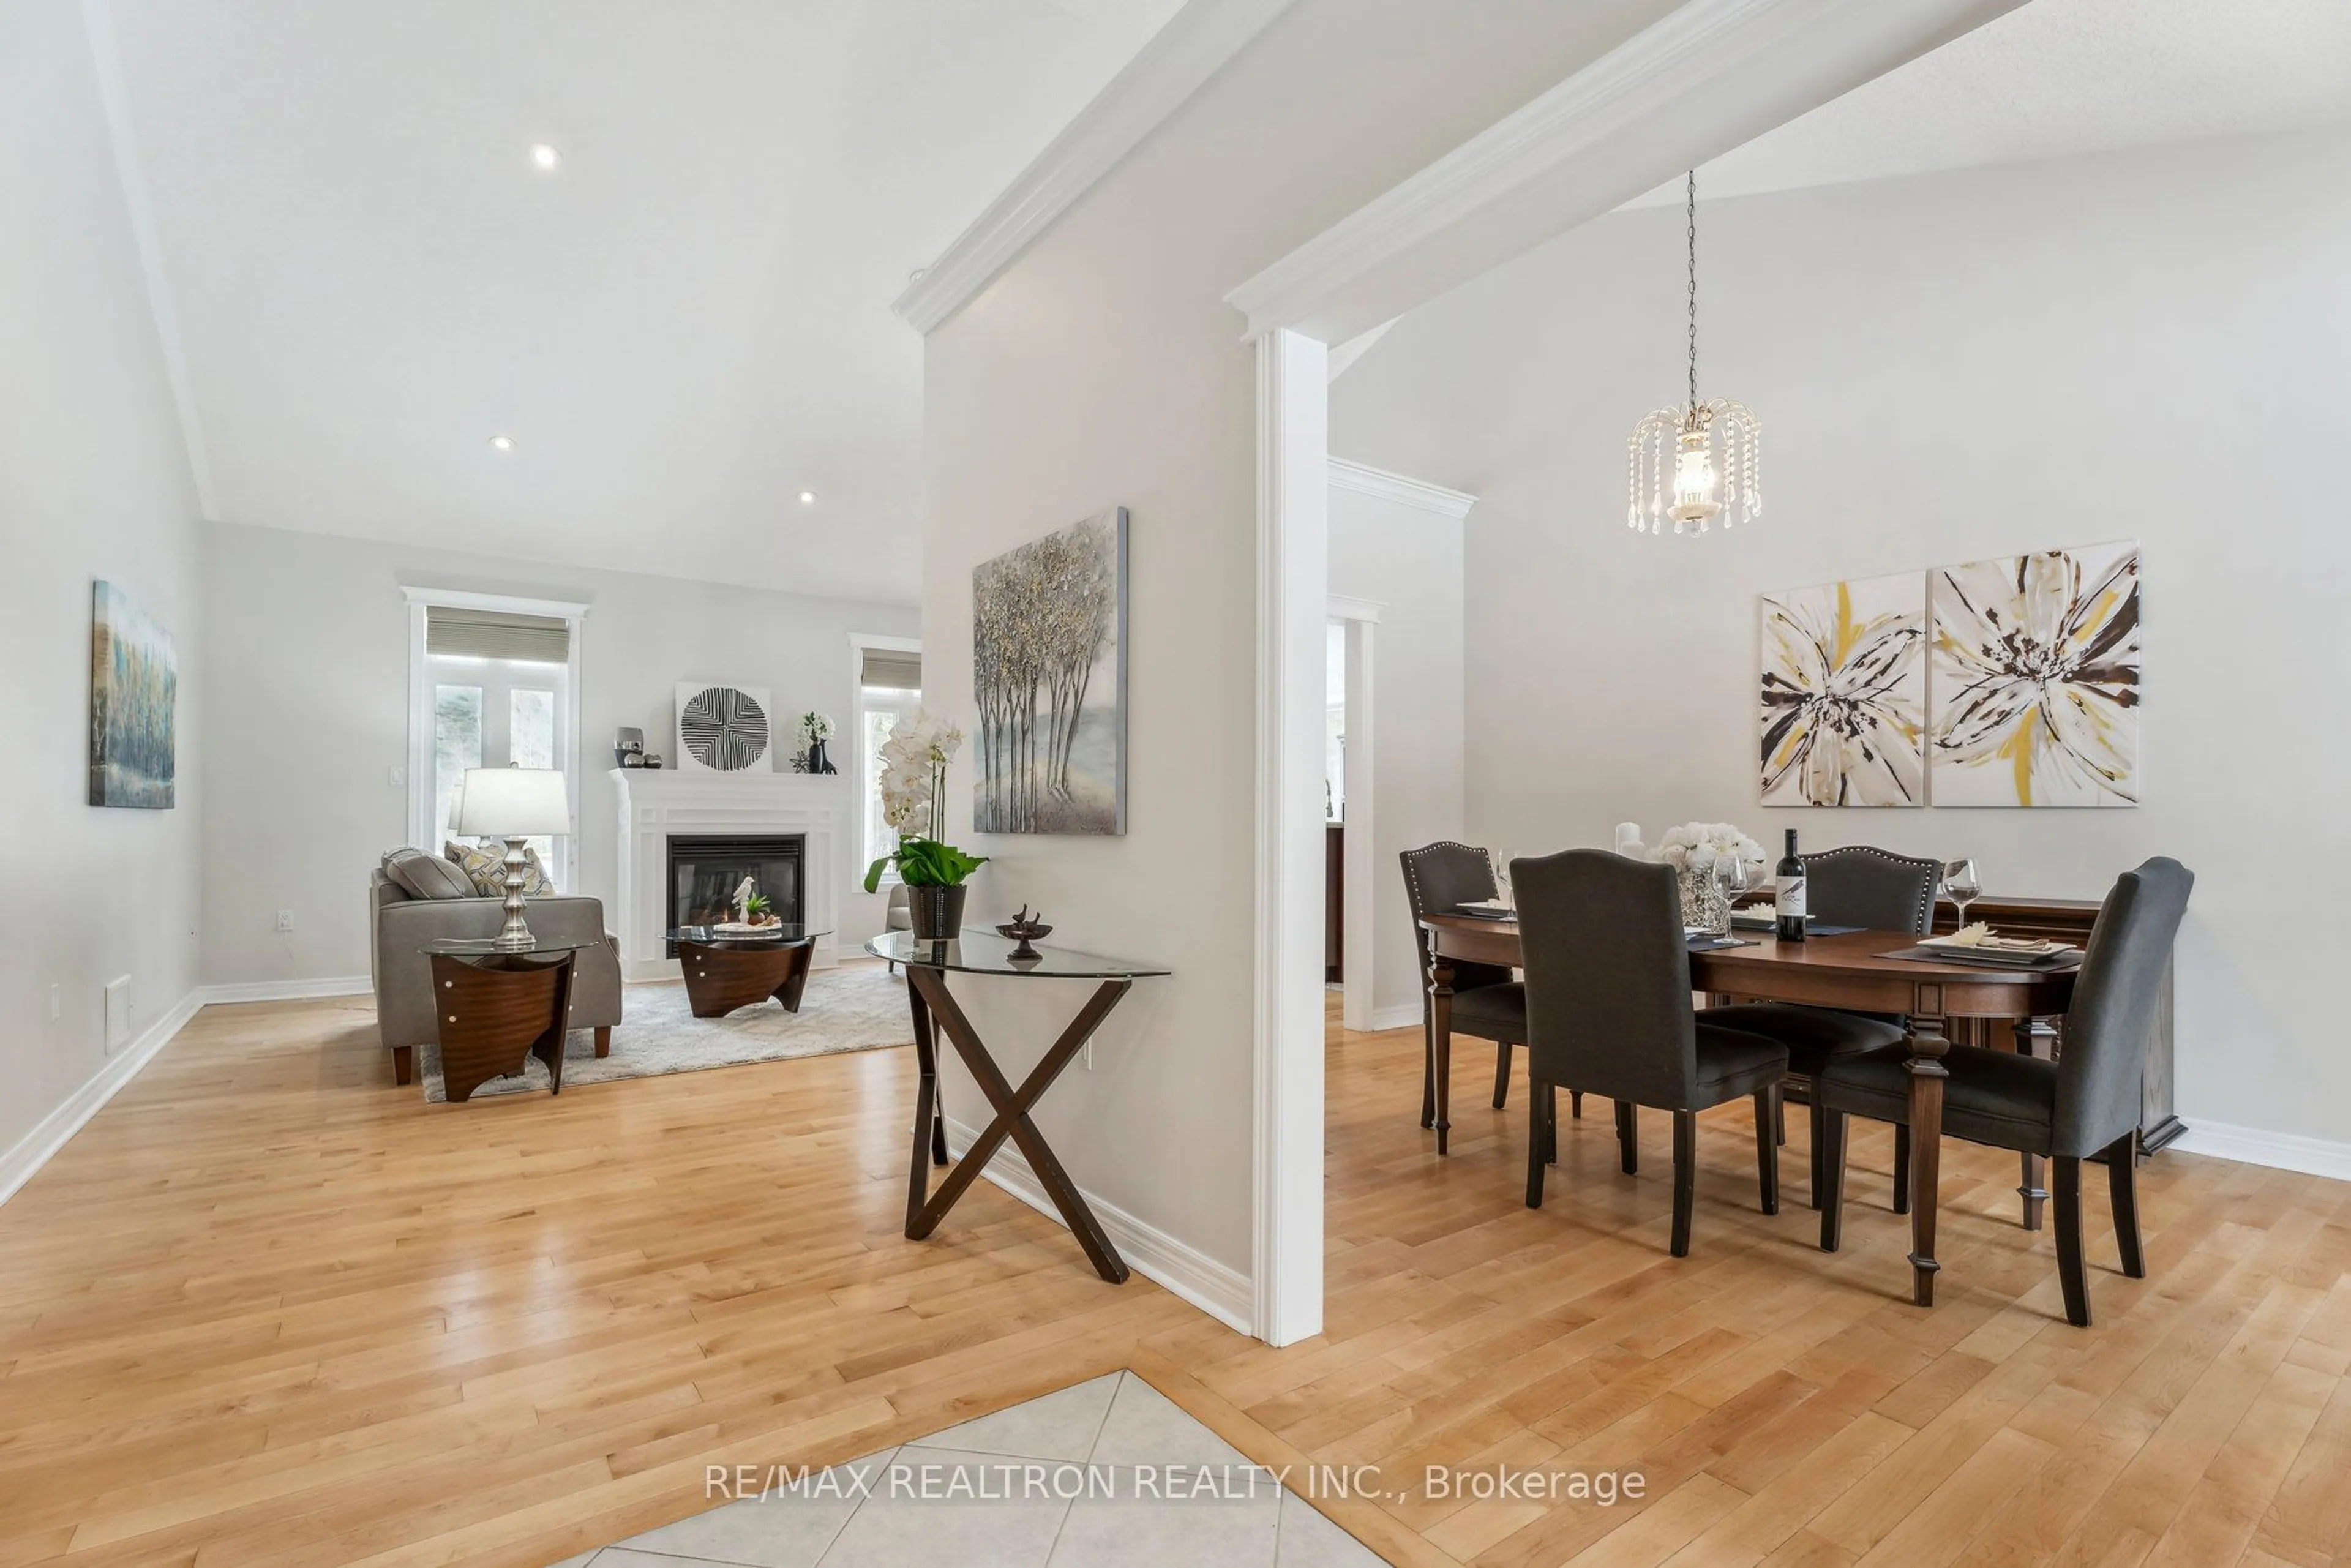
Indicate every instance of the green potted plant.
{"type": "Point", "coordinates": [913, 790]}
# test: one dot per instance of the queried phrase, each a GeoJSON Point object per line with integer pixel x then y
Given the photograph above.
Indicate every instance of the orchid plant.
{"type": "Point", "coordinates": [913, 791]}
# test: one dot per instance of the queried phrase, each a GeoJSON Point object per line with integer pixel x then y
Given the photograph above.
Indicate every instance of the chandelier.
{"type": "Point", "coordinates": [1700, 461]}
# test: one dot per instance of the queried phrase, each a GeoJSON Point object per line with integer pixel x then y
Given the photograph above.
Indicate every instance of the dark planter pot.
{"type": "Point", "coordinates": [937, 912]}
{"type": "Point", "coordinates": [817, 762]}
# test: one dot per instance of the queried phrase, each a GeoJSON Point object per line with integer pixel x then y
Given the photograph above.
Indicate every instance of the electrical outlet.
{"type": "Point", "coordinates": [56, 1001]}
{"type": "Point", "coordinates": [117, 1014]}
{"type": "Point", "coordinates": [285, 920]}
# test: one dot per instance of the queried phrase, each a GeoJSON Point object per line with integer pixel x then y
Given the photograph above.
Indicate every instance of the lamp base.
{"type": "Point", "coordinates": [515, 935]}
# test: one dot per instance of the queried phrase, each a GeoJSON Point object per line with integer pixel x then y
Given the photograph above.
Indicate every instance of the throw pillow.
{"type": "Point", "coordinates": [419, 876]}
{"type": "Point", "coordinates": [486, 866]}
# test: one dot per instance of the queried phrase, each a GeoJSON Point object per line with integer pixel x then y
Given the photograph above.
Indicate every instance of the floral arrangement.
{"type": "Point", "coordinates": [913, 791]}
{"type": "Point", "coordinates": [815, 727]}
{"type": "Point", "coordinates": [1694, 847]}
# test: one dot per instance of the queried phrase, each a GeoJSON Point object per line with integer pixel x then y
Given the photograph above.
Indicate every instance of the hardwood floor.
{"type": "Point", "coordinates": [268, 1310]}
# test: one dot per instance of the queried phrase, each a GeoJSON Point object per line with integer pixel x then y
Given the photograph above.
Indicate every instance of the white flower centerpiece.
{"type": "Point", "coordinates": [1692, 851]}
{"type": "Point", "coordinates": [913, 800]}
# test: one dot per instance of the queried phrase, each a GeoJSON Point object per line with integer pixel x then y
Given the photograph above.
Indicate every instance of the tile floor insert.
{"type": "Point", "coordinates": [1108, 1472]}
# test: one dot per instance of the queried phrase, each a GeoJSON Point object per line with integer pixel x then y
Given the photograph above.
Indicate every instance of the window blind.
{"type": "Point", "coordinates": [892, 669]}
{"type": "Point", "coordinates": [494, 635]}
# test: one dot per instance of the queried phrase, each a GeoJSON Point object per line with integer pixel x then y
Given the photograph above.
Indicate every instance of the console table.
{"type": "Point", "coordinates": [927, 964]}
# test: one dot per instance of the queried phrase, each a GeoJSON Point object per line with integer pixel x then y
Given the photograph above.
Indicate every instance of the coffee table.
{"type": "Point", "coordinates": [726, 970]}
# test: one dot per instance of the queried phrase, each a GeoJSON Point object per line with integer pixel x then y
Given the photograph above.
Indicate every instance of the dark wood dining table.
{"type": "Point", "coordinates": [1848, 971]}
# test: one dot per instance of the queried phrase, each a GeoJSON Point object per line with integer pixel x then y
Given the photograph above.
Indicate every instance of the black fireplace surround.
{"type": "Point", "coordinates": [704, 869]}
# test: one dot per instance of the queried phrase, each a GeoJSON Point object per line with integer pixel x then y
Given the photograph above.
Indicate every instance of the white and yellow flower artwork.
{"type": "Point", "coordinates": [2035, 667]}
{"type": "Point", "coordinates": [1842, 692]}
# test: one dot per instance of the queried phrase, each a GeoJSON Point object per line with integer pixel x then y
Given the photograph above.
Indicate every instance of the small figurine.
{"type": "Point", "coordinates": [1024, 928]}
{"type": "Point", "coordinates": [744, 891]}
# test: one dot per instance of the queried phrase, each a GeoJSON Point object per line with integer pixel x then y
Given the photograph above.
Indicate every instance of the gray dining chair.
{"type": "Point", "coordinates": [1877, 890]}
{"type": "Point", "coordinates": [2085, 1105]}
{"type": "Point", "coordinates": [1609, 1012]}
{"type": "Point", "coordinates": [1488, 1001]}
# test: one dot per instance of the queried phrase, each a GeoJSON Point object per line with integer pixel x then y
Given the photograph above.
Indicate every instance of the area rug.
{"type": "Point", "coordinates": [859, 1008]}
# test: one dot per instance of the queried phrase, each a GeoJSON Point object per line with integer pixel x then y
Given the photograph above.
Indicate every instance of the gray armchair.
{"type": "Point", "coordinates": [399, 925]}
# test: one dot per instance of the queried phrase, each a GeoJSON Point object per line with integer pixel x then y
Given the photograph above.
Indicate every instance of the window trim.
{"type": "Point", "coordinates": [866, 783]}
{"type": "Point", "coordinates": [419, 700]}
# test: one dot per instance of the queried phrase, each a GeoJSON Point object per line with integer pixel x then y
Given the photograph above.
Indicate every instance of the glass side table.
{"type": "Point", "coordinates": [927, 965]}
{"type": "Point", "coordinates": [495, 1008]}
{"type": "Point", "coordinates": [729, 970]}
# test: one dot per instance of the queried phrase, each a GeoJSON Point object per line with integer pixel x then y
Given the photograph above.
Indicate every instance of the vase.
{"type": "Point", "coordinates": [936, 912]}
{"type": "Point", "coordinates": [1703, 903]}
{"type": "Point", "coordinates": [817, 762]}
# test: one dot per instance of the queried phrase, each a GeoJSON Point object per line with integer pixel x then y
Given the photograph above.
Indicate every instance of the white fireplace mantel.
{"type": "Point", "coordinates": [658, 801]}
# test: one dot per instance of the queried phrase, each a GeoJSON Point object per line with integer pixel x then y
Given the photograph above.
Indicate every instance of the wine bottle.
{"type": "Point", "coordinates": [1788, 894]}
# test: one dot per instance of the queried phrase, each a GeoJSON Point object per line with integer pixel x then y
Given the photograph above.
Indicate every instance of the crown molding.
{"type": "Point", "coordinates": [1701, 80]}
{"type": "Point", "coordinates": [1181, 56]}
{"type": "Point", "coordinates": [1365, 480]}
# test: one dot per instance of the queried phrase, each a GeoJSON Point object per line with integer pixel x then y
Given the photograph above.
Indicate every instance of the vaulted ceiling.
{"type": "Point", "coordinates": [680, 327]}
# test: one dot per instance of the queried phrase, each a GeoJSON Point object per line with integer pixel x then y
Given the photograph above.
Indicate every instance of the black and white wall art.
{"type": "Point", "coordinates": [723, 728]}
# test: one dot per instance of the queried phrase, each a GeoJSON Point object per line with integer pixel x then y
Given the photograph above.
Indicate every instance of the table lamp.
{"type": "Point", "coordinates": [514, 804]}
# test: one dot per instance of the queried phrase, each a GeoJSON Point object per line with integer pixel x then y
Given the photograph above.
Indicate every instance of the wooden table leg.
{"type": "Point", "coordinates": [1012, 1107]}
{"type": "Point", "coordinates": [796, 973]}
{"type": "Point", "coordinates": [1928, 1049]}
{"type": "Point", "coordinates": [2031, 1186]}
{"type": "Point", "coordinates": [930, 1135]}
{"type": "Point", "coordinates": [1440, 1034]}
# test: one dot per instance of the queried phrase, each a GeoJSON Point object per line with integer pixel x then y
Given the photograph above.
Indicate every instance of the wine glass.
{"type": "Point", "coordinates": [1501, 860]}
{"type": "Point", "coordinates": [1961, 885]}
{"type": "Point", "coordinates": [1731, 880]}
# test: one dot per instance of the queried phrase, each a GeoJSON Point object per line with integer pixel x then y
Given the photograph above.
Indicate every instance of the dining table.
{"type": "Point", "coordinates": [1854, 970]}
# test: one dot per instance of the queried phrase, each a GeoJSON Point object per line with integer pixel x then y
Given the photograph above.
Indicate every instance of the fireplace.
{"type": "Point", "coordinates": [704, 869]}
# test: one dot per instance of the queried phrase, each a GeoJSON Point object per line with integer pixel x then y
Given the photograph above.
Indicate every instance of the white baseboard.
{"type": "Point", "coordinates": [2252, 1147]}
{"type": "Point", "coordinates": [35, 1148]}
{"type": "Point", "coordinates": [283, 990]}
{"type": "Point", "coordinates": [1403, 1014]}
{"type": "Point", "coordinates": [1222, 1292]}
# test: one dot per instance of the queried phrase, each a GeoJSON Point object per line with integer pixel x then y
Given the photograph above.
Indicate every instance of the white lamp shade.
{"type": "Point", "coordinates": [512, 803]}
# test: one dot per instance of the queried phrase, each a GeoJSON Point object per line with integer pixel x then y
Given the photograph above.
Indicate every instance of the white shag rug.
{"type": "Point", "coordinates": [859, 1008]}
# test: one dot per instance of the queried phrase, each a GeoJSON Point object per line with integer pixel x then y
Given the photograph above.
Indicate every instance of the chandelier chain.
{"type": "Point", "coordinates": [1693, 291]}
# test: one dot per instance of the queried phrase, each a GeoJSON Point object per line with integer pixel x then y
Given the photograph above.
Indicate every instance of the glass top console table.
{"type": "Point", "coordinates": [927, 965]}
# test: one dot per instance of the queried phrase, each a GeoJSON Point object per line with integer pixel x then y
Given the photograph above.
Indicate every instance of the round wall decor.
{"type": "Point", "coordinates": [725, 729]}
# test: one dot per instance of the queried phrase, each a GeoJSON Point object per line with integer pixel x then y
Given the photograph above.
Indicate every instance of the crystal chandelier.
{"type": "Point", "coordinates": [1700, 461]}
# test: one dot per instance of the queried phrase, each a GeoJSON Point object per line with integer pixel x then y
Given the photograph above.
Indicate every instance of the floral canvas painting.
{"type": "Point", "coordinates": [1049, 679]}
{"type": "Point", "coordinates": [2036, 680]}
{"type": "Point", "coordinates": [1842, 692]}
{"type": "Point", "coordinates": [134, 680]}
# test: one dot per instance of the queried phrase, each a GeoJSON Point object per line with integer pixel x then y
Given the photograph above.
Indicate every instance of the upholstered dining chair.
{"type": "Point", "coordinates": [1876, 890]}
{"type": "Point", "coordinates": [1488, 1001]}
{"type": "Point", "coordinates": [2085, 1105]}
{"type": "Point", "coordinates": [1609, 1012]}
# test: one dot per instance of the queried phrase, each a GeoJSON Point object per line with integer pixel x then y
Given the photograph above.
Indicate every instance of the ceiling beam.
{"type": "Point", "coordinates": [1181, 56]}
{"type": "Point", "coordinates": [1705, 78]}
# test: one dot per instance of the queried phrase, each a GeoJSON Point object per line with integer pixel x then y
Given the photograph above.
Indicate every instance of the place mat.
{"type": "Point", "coordinates": [1479, 912]}
{"type": "Point", "coordinates": [1717, 943]}
{"type": "Point", "coordinates": [1812, 928]}
{"type": "Point", "coordinates": [2054, 963]}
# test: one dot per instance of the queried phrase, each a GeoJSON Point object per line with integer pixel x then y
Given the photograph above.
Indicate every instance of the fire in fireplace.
{"type": "Point", "coordinates": [705, 869]}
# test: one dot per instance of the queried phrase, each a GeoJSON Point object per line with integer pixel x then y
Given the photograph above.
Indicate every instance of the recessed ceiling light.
{"type": "Point", "coordinates": [502, 442]}
{"type": "Point", "coordinates": [808, 497]}
{"type": "Point", "coordinates": [544, 157]}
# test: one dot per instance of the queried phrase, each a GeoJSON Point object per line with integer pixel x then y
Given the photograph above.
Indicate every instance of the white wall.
{"type": "Point", "coordinates": [94, 483]}
{"type": "Point", "coordinates": [1102, 368]}
{"type": "Point", "coordinates": [308, 663]}
{"type": "Point", "coordinates": [2154, 345]}
{"type": "Point", "coordinates": [1408, 560]}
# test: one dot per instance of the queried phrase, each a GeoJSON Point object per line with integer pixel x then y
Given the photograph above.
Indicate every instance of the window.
{"type": "Point", "coordinates": [494, 689]}
{"type": "Point", "coordinates": [889, 672]}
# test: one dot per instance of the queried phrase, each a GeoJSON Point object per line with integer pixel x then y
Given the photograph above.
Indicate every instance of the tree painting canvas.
{"type": "Point", "coordinates": [1842, 692]}
{"type": "Point", "coordinates": [2036, 680]}
{"type": "Point", "coordinates": [1048, 678]}
{"type": "Point", "coordinates": [134, 684]}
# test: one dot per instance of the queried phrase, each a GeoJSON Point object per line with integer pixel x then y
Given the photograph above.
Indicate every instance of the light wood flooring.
{"type": "Point", "coordinates": [267, 1309]}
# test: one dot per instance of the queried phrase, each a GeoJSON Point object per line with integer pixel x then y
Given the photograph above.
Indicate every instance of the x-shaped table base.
{"type": "Point", "coordinates": [927, 993]}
